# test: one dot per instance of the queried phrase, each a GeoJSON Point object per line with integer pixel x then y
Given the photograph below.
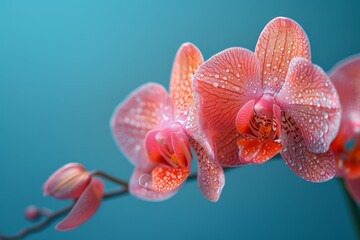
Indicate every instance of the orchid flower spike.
{"type": "Point", "coordinates": [346, 146]}
{"type": "Point", "coordinates": [157, 131]}
{"type": "Point", "coordinates": [256, 105]}
{"type": "Point", "coordinates": [72, 181]}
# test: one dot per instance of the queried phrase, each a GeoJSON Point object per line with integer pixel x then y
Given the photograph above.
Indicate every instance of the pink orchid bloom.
{"type": "Point", "coordinates": [346, 146]}
{"type": "Point", "coordinates": [255, 105]}
{"type": "Point", "coordinates": [72, 181]}
{"type": "Point", "coordinates": [157, 131]}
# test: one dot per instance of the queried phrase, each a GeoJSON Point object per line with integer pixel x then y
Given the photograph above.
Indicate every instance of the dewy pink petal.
{"type": "Point", "coordinates": [346, 78]}
{"type": "Point", "coordinates": [314, 167]}
{"type": "Point", "coordinates": [211, 177]}
{"type": "Point", "coordinates": [309, 97]}
{"type": "Point", "coordinates": [85, 207]}
{"type": "Point", "coordinates": [68, 182]}
{"type": "Point", "coordinates": [223, 85]}
{"type": "Point", "coordinates": [148, 107]}
{"type": "Point", "coordinates": [281, 40]}
{"type": "Point", "coordinates": [187, 61]}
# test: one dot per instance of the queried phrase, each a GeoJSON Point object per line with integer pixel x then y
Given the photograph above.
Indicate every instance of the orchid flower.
{"type": "Point", "coordinates": [156, 131]}
{"type": "Point", "coordinates": [72, 181]}
{"type": "Point", "coordinates": [346, 146]}
{"type": "Point", "coordinates": [256, 105]}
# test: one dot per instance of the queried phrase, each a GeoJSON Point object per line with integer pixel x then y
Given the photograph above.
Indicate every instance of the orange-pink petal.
{"type": "Point", "coordinates": [281, 40]}
{"type": "Point", "coordinates": [148, 107]}
{"type": "Point", "coordinates": [243, 117]}
{"type": "Point", "coordinates": [313, 167]}
{"type": "Point", "coordinates": [187, 61]}
{"type": "Point", "coordinates": [85, 207]}
{"type": "Point", "coordinates": [309, 97]}
{"type": "Point", "coordinates": [167, 179]}
{"type": "Point", "coordinates": [211, 178]}
{"type": "Point", "coordinates": [68, 182]}
{"type": "Point", "coordinates": [224, 84]}
{"type": "Point", "coordinates": [255, 150]}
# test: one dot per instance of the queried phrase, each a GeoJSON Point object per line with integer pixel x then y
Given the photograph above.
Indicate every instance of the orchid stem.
{"type": "Point", "coordinates": [353, 208]}
{"type": "Point", "coordinates": [50, 217]}
{"type": "Point", "coordinates": [111, 178]}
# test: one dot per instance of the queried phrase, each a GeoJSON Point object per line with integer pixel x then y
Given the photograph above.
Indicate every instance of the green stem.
{"type": "Point", "coordinates": [355, 214]}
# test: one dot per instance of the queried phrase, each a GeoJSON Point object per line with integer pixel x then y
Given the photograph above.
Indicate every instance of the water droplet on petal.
{"type": "Point", "coordinates": [145, 181]}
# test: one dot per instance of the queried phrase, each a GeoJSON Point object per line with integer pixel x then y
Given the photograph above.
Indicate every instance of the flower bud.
{"type": "Point", "coordinates": [69, 182]}
{"type": "Point", "coordinates": [32, 213]}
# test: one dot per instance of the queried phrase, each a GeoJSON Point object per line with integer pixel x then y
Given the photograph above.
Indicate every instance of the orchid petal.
{"type": "Point", "coordinates": [152, 147]}
{"type": "Point", "coordinates": [67, 182]}
{"type": "Point", "coordinates": [224, 84]}
{"type": "Point", "coordinates": [346, 79]}
{"type": "Point", "coordinates": [313, 167]}
{"type": "Point", "coordinates": [138, 190]}
{"type": "Point", "coordinates": [255, 150]}
{"type": "Point", "coordinates": [353, 186]}
{"type": "Point", "coordinates": [211, 178]}
{"type": "Point", "coordinates": [227, 150]}
{"type": "Point", "coordinates": [181, 147]}
{"type": "Point", "coordinates": [146, 108]}
{"type": "Point", "coordinates": [311, 100]}
{"type": "Point", "coordinates": [281, 40]}
{"type": "Point", "coordinates": [85, 207]}
{"type": "Point", "coordinates": [243, 117]}
{"type": "Point", "coordinates": [167, 179]}
{"type": "Point", "coordinates": [187, 61]}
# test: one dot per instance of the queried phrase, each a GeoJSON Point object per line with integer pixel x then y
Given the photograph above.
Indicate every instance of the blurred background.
{"type": "Point", "coordinates": [64, 67]}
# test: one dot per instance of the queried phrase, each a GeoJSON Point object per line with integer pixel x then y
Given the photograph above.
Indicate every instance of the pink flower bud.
{"type": "Point", "coordinates": [69, 182]}
{"type": "Point", "coordinates": [32, 213]}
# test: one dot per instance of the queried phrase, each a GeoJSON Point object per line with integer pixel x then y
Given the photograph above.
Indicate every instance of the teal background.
{"type": "Point", "coordinates": [65, 65]}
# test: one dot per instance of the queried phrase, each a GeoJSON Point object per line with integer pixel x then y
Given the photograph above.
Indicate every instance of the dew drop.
{"type": "Point", "coordinates": [145, 181]}
{"type": "Point", "coordinates": [215, 84]}
{"type": "Point", "coordinates": [326, 115]}
{"type": "Point", "coordinates": [217, 76]}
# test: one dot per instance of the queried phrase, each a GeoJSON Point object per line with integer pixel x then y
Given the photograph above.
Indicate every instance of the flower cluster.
{"type": "Point", "coordinates": [237, 108]}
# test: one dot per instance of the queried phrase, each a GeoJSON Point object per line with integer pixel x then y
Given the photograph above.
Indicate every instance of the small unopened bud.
{"type": "Point", "coordinates": [32, 213]}
{"type": "Point", "coordinates": [68, 182]}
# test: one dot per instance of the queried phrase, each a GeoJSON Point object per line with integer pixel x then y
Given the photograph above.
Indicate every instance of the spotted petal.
{"type": "Point", "coordinates": [281, 40]}
{"type": "Point", "coordinates": [313, 167]}
{"type": "Point", "coordinates": [167, 179]}
{"type": "Point", "coordinates": [255, 150]}
{"type": "Point", "coordinates": [353, 186]}
{"type": "Point", "coordinates": [146, 108]}
{"type": "Point", "coordinates": [138, 190]}
{"type": "Point", "coordinates": [211, 178]}
{"type": "Point", "coordinates": [224, 83]}
{"type": "Point", "coordinates": [311, 100]}
{"type": "Point", "coordinates": [85, 207]}
{"type": "Point", "coordinates": [187, 61]}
